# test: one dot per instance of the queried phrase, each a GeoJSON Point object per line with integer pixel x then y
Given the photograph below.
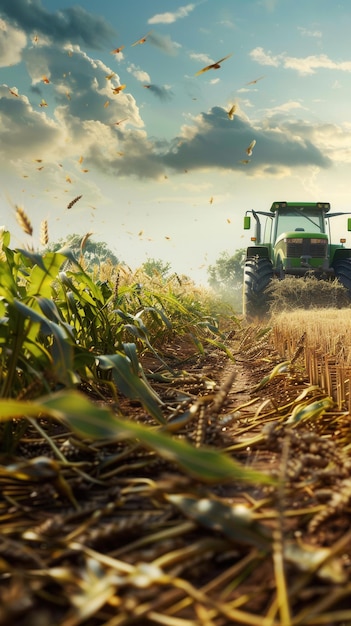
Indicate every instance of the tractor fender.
{"type": "Point", "coordinates": [340, 254]}
{"type": "Point", "coordinates": [259, 251]}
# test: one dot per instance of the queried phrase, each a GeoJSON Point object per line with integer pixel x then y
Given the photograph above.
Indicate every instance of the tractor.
{"type": "Point", "coordinates": [295, 240]}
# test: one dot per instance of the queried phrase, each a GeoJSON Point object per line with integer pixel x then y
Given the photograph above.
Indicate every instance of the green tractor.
{"type": "Point", "coordinates": [295, 240]}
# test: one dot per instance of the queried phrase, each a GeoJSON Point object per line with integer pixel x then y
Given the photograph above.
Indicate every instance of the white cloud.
{"type": "Point", "coordinates": [305, 32]}
{"type": "Point", "coordinates": [139, 74]}
{"type": "Point", "coordinates": [199, 56]}
{"type": "Point", "coordinates": [12, 43]}
{"type": "Point", "coordinates": [310, 64]}
{"type": "Point", "coordinates": [303, 65]}
{"type": "Point", "coordinates": [286, 107]}
{"type": "Point", "coordinates": [169, 17]}
{"type": "Point", "coordinates": [265, 58]}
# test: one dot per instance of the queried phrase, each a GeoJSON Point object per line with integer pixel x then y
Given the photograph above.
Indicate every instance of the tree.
{"type": "Point", "coordinates": [227, 272]}
{"type": "Point", "coordinates": [156, 267]}
{"type": "Point", "coordinates": [93, 252]}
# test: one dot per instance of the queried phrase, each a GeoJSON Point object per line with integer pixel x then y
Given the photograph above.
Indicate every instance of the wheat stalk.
{"type": "Point", "coordinates": [23, 220]}
{"type": "Point", "coordinates": [70, 204]}
{"type": "Point", "coordinates": [84, 241]}
{"type": "Point", "coordinates": [44, 233]}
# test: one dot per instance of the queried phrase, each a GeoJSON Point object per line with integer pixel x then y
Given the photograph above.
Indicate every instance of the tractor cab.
{"type": "Point", "coordinates": [293, 238]}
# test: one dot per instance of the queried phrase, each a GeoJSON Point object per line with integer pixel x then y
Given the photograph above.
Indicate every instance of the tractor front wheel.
{"type": "Point", "coordinates": [258, 273]}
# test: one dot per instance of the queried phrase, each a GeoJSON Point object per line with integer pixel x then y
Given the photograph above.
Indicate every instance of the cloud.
{"type": "Point", "coordinates": [12, 42]}
{"type": "Point", "coordinates": [305, 32]}
{"type": "Point", "coordinates": [73, 23]}
{"type": "Point", "coordinates": [163, 93]}
{"type": "Point", "coordinates": [79, 84]}
{"type": "Point", "coordinates": [164, 43]}
{"type": "Point", "coordinates": [265, 58]}
{"type": "Point", "coordinates": [23, 130]}
{"type": "Point", "coordinates": [310, 64]}
{"type": "Point", "coordinates": [139, 74]}
{"type": "Point", "coordinates": [303, 65]}
{"type": "Point", "coordinates": [169, 17]}
{"type": "Point", "coordinates": [212, 141]}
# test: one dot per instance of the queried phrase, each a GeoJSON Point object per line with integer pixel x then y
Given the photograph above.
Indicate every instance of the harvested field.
{"type": "Point", "coordinates": [124, 536]}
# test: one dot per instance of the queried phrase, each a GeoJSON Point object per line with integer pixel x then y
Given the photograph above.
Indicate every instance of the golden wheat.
{"type": "Point", "coordinates": [44, 233]}
{"type": "Point", "coordinates": [84, 241]}
{"type": "Point", "coordinates": [70, 204]}
{"type": "Point", "coordinates": [23, 220]}
{"type": "Point", "coordinates": [322, 338]}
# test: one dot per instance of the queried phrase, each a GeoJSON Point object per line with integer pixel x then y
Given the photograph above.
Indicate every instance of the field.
{"type": "Point", "coordinates": [162, 461]}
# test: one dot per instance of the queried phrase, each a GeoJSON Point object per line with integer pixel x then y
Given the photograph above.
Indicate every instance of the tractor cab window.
{"type": "Point", "coordinates": [267, 233]}
{"type": "Point", "coordinates": [296, 220]}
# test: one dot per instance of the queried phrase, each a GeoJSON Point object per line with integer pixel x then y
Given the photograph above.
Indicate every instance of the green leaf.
{"type": "Point", "coordinates": [91, 421]}
{"type": "Point", "coordinates": [129, 383]}
{"type": "Point", "coordinates": [45, 271]}
{"type": "Point", "coordinates": [62, 349]}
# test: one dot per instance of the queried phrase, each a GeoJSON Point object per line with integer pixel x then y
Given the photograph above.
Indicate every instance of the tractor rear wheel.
{"type": "Point", "coordinates": [258, 273]}
{"type": "Point", "coordinates": [343, 273]}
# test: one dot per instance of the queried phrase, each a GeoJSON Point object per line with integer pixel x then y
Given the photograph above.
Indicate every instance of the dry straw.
{"type": "Point", "coordinates": [322, 336]}
{"type": "Point", "coordinates": [23, 220]}
{"type": "Point", "coordinates": [44, 233]}
{"type": "Point", "coordinates": [72, 203]}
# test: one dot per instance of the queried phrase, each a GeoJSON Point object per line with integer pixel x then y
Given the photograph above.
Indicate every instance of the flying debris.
{"type": "Point", "coordinates": [250, 147]}
{"type": "Point", "coordinates": [109, 76]}
{"type": "Point", "coordinates": [81, 159]}
{"type": "Point", "coordinates": [70, 204]}
{"type": "Point", "coordinates": [119, 122]}
{"type": "Point", "coordinates": [68, 179]}
{"type": "Point", "coordinates": [13, 93]}
{"type": "Point", "coordinates": [213, 66]}
{"type": "Point", "coordinates": [211, 200]}
{"type": "Point", "coordinates": [244, 161]}
{"type": "Point", "coordinates": [117, 50]}
{"type": "Point", "coordinates": [142, 40]}
{"type": "Point", "coordinates": [43, 103]}
{"type": "Point", "coordinates": [45, 80]}
{"type": "Point", "coordinates": [253, 82]}
{"type": "Point", "coordinates": [35, 39]}
{"type": "Point", "coordinates": [106, 104]}
{"type": "Point", "coordinates": [231, 112]}
{"type": "Point", "coordinates": [118, 89]}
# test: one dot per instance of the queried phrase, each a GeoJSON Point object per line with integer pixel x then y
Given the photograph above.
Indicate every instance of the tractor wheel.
{"type": "Point", "coordinates": [343, 273]}
{"type": "Point", "coordinates": [258, 273]}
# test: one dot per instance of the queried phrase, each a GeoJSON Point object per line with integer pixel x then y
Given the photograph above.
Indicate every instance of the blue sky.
{"type": "Point", "coordinates": [162, 170]}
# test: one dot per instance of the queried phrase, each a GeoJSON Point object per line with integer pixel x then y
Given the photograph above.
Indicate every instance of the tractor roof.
{"type": "Point", "coordinates": [321, 206]}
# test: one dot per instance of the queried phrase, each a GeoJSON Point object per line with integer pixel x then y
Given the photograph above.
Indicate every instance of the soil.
{"type": "Point", "coordinates": [116, 534]}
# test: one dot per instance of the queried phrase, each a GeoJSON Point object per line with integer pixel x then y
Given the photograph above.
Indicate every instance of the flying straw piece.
{"type": "Point", "coordinates": [44, 233]}
{"type": "Point", "coordinates": [70, 204]}
{"type": "Point", "coordinates": [231, 112]}
{"type": "Point", "coordinates": [213, 66]}
{"type": "Point", "coordinates": [23, 220]}
{"type": "Point", "coordinates": [250, 147]}
{"type": "Point", "coordinates": [142, 40]}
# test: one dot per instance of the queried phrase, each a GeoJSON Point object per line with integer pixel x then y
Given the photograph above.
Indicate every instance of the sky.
{"type": "Point", "coordinates": [105, 100]}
